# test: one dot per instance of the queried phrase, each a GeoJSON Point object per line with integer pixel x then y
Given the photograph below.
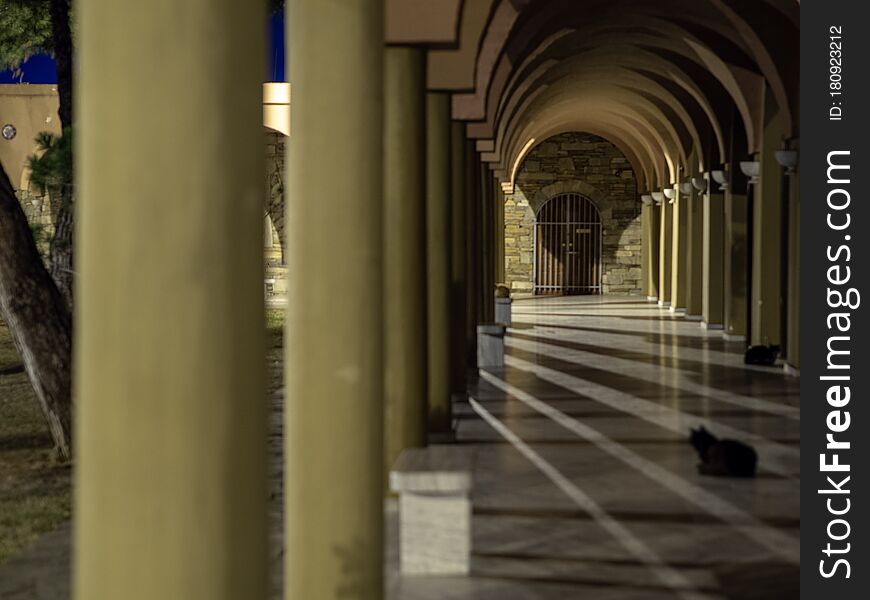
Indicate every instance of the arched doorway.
{"type": "Point", "coordinates": [568, 246]}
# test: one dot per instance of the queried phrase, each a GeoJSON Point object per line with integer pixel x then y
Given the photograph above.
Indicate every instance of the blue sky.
{"type": "Point", "coordinates": [41, 69]}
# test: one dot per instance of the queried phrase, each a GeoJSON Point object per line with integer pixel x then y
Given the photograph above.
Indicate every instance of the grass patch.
{"type": "Point", "coordinates": [35, 494]}
{"type": "Point", "coordinates": [35, 491]}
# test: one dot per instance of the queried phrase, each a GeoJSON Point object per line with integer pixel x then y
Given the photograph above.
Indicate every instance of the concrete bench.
{"type": "Point", "coordinates": [434, 484]}
{"type": "Point", "coordinates": [490, 346]}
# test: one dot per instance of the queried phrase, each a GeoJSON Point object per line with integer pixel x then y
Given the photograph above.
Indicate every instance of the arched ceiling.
{"type": "Point", "coordinates": [669, 82]}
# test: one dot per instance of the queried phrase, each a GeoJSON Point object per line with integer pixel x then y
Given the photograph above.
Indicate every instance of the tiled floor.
{"type": "Point", "coordinates": [585, 484]}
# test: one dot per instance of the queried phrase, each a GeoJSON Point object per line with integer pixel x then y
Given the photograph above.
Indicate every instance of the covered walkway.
{"type": "Point", "coordinates": [585, 484]}
{"type": "Point", "coordinates": [426, 138]}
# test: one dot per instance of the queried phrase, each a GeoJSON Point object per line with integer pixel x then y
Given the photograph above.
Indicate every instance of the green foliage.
{"type": "Point", "coordinates": [51, 168]}
{"type": "Point", "coordinates": [25, 30]}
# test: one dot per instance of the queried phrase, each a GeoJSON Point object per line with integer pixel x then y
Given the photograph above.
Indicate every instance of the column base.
{"type": "Point", "coordinates": [664, 304]}
{"type": "Point", "coordinates": [730, 337]}
{"type": "Point", "coordinates": [712, 326]}
{"type": "Point", "coordinates": [677, 310]}
{"type": "Point", "coordinates": [434, 486]}
{"type": "Point", "coordinates": [693, 317]}
{"type": "Point", "coordinates": [652, 298]}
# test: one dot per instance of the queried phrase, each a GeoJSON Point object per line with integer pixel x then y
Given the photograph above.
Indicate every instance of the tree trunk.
{"type": "Point", "coordinates": [63, 53]}
{"type": "Point", "coordinates": [39, 319]}
{"type": "Point", "coordinates": [61, 251]}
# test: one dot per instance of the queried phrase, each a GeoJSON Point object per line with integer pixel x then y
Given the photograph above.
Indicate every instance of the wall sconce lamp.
{"type": "Point", "coordinates": [750, 168]}
{"type": "Point", "coordinates": [787, 159]}
{"type": "Point", "coordinates": [686, 187]}
{"type": "Point", "coordinates": [670, 194]}
{"type": "Point", "coordinates": [721, 178]}
{"type": "Point", "coordinates": [700, 184]}
{"type": "Point", "coordinates": [647, 199]}
{"type": "Point", "coordinates": [658, 197]}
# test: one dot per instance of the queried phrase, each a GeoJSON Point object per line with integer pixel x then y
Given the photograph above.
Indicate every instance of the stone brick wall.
{"type": "Point", "coordinates": [589, 165]}
{"type": "Point", "coordinates": [38, 210]}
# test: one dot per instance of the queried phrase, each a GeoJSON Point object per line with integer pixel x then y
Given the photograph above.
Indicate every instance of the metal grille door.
{"type": "Point", "coordinates": [568, 246]}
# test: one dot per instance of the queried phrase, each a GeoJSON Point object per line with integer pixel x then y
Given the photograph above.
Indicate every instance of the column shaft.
{"type": "Point", "coordinates": [713, 282]}
{"type": "Point", "coordinates": [665, 253]}
{"type": "Point", "coordinates": [644, 249]}
{"type": "Point", "coordinates": [333, 415]}
{"type": "Point", "coordinates": [694, 253]}
{"type": "Point", "coordinates": [679, 261]}
{"type": "Point", "coordinates": [766, 224]}
{"type": "Point", "coordinates": [652, 260]}
{"type": "Point", "coordinates": [170, 479]}
{"type": "Point", "coordinates": [405, 358]}
{"type": "Point", "coordinates": [792, 350]}
{"type": "Point", "coordinates": [487, 245]}
{"type": "Point", "coordinates": [499, 235]}
{"type": "Point", "coordinates": [458, 256]}
{"type": "Point", "coordinates": [438, 264]}
{"type": "Point", "coordinates": [473, 256]}
{"type": "Point", "coordinates": [736, 282]}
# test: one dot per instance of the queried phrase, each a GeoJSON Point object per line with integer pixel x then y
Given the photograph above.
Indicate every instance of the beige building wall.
{"type": "Point", "coordinates": [30, 109]}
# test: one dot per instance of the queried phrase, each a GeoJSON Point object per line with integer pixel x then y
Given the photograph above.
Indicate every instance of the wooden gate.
{"type": "Point", "coordinates": [568, 246]}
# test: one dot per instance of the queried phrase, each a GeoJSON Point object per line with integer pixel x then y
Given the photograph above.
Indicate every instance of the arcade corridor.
{"type": "Point", "coordinates": [585, 484]}
{"type": "Point", "coordinates": [426, 137]}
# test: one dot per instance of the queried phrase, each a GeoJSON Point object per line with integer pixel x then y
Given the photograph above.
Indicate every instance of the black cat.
{"type": "Point", "coordinates": [761, 355]}
{"type": "Point", "coordinates": [723, 458]}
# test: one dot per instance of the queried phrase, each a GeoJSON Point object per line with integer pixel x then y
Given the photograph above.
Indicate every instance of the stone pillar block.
{"type": "Point", "coordinates": [434, 534]}
{"type": "Point", "coordinates": [490, 346]}
{"type": "Point", "coordinates": [503, 311]}
{"type": "Point", "coordinates": [434, 510]}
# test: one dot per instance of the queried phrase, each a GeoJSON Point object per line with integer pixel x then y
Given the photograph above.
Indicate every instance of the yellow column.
{"type": "Point", "coordinates": [792, 349]}
{"type": "Point", "coordinates": [735, 263]}
{"type": "Point", "coordinates": [458, 256]}
{"type": "Point", "coordinates": [499, 234]}
{"type": "Point", "coordinates": [404, 251]}
{"type": "Point", "coordinates": [651, 262]}
{"type": "Point", "coordinates": [766, 224]}
{"type": "Point", "coordinates": [487, 245]}
{"type": "Point", "coordinates": [170, 480]}
{"type": "Point", "coordinates": [473, 265]}
{"type": "Point", "coordinates": [438, 246]}
{"type": "Point", "coordinates": [713, 282]}
{"type": "Point", "coordinates": [694, 254]}
{"type": "Point", "coordinates": [678, 253]}
{"type": "Point", "coordinates": [665, 252]}
{"type": "Point", "coordinates": [644, 249]}
{"type": "Point", "coordinates": [333, 415]}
